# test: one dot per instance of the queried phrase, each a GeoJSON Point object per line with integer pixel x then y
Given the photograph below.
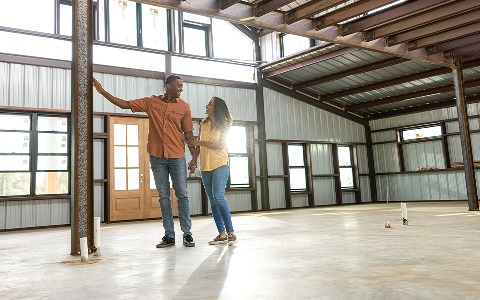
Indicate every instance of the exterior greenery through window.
{"type": "Point", "coordinates": [296, 165]}
{"type": "Point", "coordinates": [35, 161]}
{"type": "Point", "coordinates": [421, 132]}
{"type": "Point", "coordinates": [238, 157]}
{"type": "Point", "coordinates": [345, 164]}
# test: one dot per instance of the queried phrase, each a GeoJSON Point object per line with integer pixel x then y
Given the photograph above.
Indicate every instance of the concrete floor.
{"type": "Point", "coordinates": [322, 253]}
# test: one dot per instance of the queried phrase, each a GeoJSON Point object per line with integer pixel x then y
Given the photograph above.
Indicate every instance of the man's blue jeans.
{"type": "Point", "coordinates": [215, 182]}
{"type": "Point", "coordinates": [177, 169]}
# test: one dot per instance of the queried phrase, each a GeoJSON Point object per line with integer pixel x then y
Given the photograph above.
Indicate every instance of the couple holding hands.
{"type": "Point", "coordinates": [170, 125]}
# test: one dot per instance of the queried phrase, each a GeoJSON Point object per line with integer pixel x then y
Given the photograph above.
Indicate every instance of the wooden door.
{"type": "Point", "coordinates": [132, 188]}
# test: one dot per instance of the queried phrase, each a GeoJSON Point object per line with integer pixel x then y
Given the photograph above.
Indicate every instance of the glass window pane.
{"type": "Point", "coordinates": [237, 139]}
{"type": "Point", "coordinates": [296, 155]}
{"type": "Point", "coordinates": [18, 142]}
{"type": "Point", "coordinates": [133, 160]}
{"type": "Point", "coordinates": [51, 183]}
{"type": "Point", "coordinates": [194, 41]}
{"type": "Point", "coordinates": [120, 179]}
{"type": "Point", "coordinates": [20, 14]}
{"type": "Point", "coordinates": [14, 122]}
{"type": "Point", "coordinates": [52, 163]}
{"type": "Point", "coordinates": [52, 143]}
{"type": "Point", "coordinates": [152, 181]}
{"type": "Point", "coordinates": [196, 18]}
{"type": "Point", "coordinates": [133, 179]}
{"type": "Point", "coordinates": [224, 36]}
{"type": "Point", "coordinates": [14, 184]}
{"type": "Point", "coordinates": [154, 27]}
{"type": "Point", "coordinates": [119, 134]}
{"type": "Point", "coordinates": [119, 156]}
{"type": "Point", "coordinates": [294, 43]}
{"type": "Point", "coordinates": [239, 171]}
{"type": "Point", "coordinates": [344, 156]}
{"type": "Point", "coordinates": [58, 124]}
{"type": "Point", "coordinates": [346, 177]}
{"type": "Point", "coordinates": [132, 135]}
{"type": "Point", "coordinates": [123, 22]}
{"type": "Point", "coordinates": [14, 163]}
{"type": "Point", "coordinates": [65, 19]}
{"type": "Point", "coordinates": [420, 133]}
{"type": "Point", "coordinates": [298, 180]}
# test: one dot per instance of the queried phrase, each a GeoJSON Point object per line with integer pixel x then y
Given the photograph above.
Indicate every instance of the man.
{"type": "Point", "coordinates": [170, 124]}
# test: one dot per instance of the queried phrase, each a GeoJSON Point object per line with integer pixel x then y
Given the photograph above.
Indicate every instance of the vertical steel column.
{"type": "Point", "coordinates": [262, 136]}
{"type": "Point", "coordinates": [82, 126]}
{"type": "Point", "coordinates": [371, 163]}
{"type": "Point", "coordinates": [465, 137]}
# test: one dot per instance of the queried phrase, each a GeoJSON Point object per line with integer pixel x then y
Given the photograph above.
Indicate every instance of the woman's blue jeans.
{"type": "Point", "coordinates": [215, 182]}
{"type": "Point", "coordinates": [177, 169]}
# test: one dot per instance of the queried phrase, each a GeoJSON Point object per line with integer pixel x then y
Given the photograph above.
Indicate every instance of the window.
{"type": "Point", "coordinates": [225, 35]}
{"type": "Point", "coordinates": [345, 164]}
{"type": "Point", "coordinates": [64, 19]}
{"type": "Point", "coordinates": [35, 161]}
{"type": "Point", "coordinates": [290, 44]}
{"type": "Point", "coordinates": [123, 22]}
{"type": "Point", "coordinates": [420, 133]}
{"type": "Point", "coordinates": [154, 27]}
{"type": "Point", "coordinates": [20, 14]}
{"type": "Point", "coordinates": [196, 34]}
{"type": "Point", "coordinates": [296, 165]}
{"type": "Point", "coordinates": [238, 157]}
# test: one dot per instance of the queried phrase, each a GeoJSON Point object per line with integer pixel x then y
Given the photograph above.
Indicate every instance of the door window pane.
{"type": "Point", "coordinates": [133, 159]}
{"type": "Point", "coordinates": [120, 157]}
{"type": "Point", "coordinates": [51, 183]}
{"type": "Point", "coordinates": [58, 124]}
{"type": "Point", "coordinates": [132, 135]}
{"type": "Point", "coordinates": [297, 179]}
{"type": "Point", "coordinates": [154, 27]}
{"type": "Point", "coordinates": [14, 122]}
{"type": "Point", "coordinates": [52, 163]}
{"type": "Point", "coordinates": [119, 134]}
{"type": "Point", "coordinates": [14, 163]}
{"type": "Point", "coordinates": [133, 179]}
{"type": "Point", "coordinates": [52, 143]}
{"type": "Point", "coordinates": [14, 184]}
{"type": "Point", "coordinates": [239, 171]}
{"type": "Point", "coordinates": [18, 142]}
{"type": "Point", "coordinates": [123, 22]}
{"type": "Point", "coordinates": [120, 179]}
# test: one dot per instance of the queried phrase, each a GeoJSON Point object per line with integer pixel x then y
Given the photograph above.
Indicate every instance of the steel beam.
{"type": "Point", "coordinates": [264, 7]}
{"type": "Point", "coordinates": [465, 137]}
{"type": "Point", "coordinates": [82, 126]}
{"type": "Point", "coordinates": [444, 36]}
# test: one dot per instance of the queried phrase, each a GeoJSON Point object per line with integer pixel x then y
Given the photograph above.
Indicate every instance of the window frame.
{"type": "Point", "coordinates": [401, 131]}
{"type": "Point", "coordinates": [304, 167]}
{"type": "Point", "coordinates": [34, 154]}
{"type": "Point", "coordinates": [352, 166]}
{"type": "Point", "coordinates": [247, 154]}
{"type": "Point", "coordinates": [282, 44]}
{"type": "Point", "coordinates": [206, 28]}
{"type": "Point", "coordinates": [95, 12]}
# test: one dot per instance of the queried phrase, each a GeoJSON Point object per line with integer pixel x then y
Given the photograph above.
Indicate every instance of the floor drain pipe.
{"type": "Point", "coordinates": [84, 249]}
{"type": "Point", "coordinates": [404, 213]}
{"type": "Point", "coordinates": [96, 236]}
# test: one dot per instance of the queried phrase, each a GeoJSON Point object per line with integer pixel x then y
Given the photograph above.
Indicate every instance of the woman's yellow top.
{"type": "Point", "coordinates": [210, 159]}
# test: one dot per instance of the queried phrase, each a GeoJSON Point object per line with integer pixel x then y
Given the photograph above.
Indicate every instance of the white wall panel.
{"type": "Point", "coordinates": [365, 193]}
{"type": "Point", "coordinates": [289, 119]}
{"type": "Point", "coordinates": [239, 200]}
{"type": "Point", "coordinates": [35, 213]}
{"type": "Point", "coordinates": [386, 158]}
{"type": "Point", "coordinates": [300, 200]}
{"type": "Point", "coordinates": [362, 159]}
{"type": "Point", "coordinates": [322, 161]}
{"type": "Point", "coordinates": [259, 195]}
{"type": "Point", "coordinates": [194, 196]}
{"type": "Point", "coordinates": [383, 136]}
{"type": "Point", "coordinates": [418, 118]}
{"type": "Point", "coordinates": [423, 155]}
{"type": "Point", "coordinates": [276, 189]}
{"type": "Point", "coordinates": [324, 191]}
{"type": "Point", "coordinates": [348, 197]}
{"type": "Point", "coordinates": [275, 159]}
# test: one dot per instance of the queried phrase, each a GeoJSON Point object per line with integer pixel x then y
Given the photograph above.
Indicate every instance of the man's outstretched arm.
{"type": "Point", "coordinates": [114, 100]}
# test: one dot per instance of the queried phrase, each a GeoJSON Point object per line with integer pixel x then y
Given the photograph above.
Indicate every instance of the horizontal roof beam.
{"type": "Point", "coordinates": [387, 100]}
{"type": "Point", "coordinates": [309, 9]}
{"type": "Point", "coordinates": [355, 71]}
{"type": "Point", "coordinates": [442, 47]}
{"type": "Point", "coordinates": [444, 36]}
{"type": "Point", "coordinates": [264, 7]}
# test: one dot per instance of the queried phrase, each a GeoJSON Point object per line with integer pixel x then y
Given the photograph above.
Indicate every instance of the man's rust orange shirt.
{"type": "Point", "coordinates": [168, 121]}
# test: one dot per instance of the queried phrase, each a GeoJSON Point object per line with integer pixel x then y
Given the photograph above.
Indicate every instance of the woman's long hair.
{"type": "Point", "coordinates": [221, 113]}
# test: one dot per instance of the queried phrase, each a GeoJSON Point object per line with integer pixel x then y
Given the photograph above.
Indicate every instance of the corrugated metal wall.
{"type": "Point", "coordinates": [447, 185]}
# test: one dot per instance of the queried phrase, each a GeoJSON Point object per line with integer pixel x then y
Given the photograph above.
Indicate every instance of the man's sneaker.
{"type": "Point", "coordinates": [166, 242]}
{"type": "Point", "coordinates": [219, 240]}
{"type": "Point", "coordinates": [232, 239]}
{"type": "Point", "coordinates": [188, 241]}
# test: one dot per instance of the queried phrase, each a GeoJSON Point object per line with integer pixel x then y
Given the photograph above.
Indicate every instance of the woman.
{"type": "Point", "coordinates": [212, 147]}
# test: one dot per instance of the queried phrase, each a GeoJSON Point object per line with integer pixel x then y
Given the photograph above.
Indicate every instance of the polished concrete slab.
{"type": "Point", "coordinates": [321, 253]}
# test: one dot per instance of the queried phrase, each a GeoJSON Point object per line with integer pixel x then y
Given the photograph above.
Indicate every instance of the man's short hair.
{"type": "Point", "coordinates": [172, 78]}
